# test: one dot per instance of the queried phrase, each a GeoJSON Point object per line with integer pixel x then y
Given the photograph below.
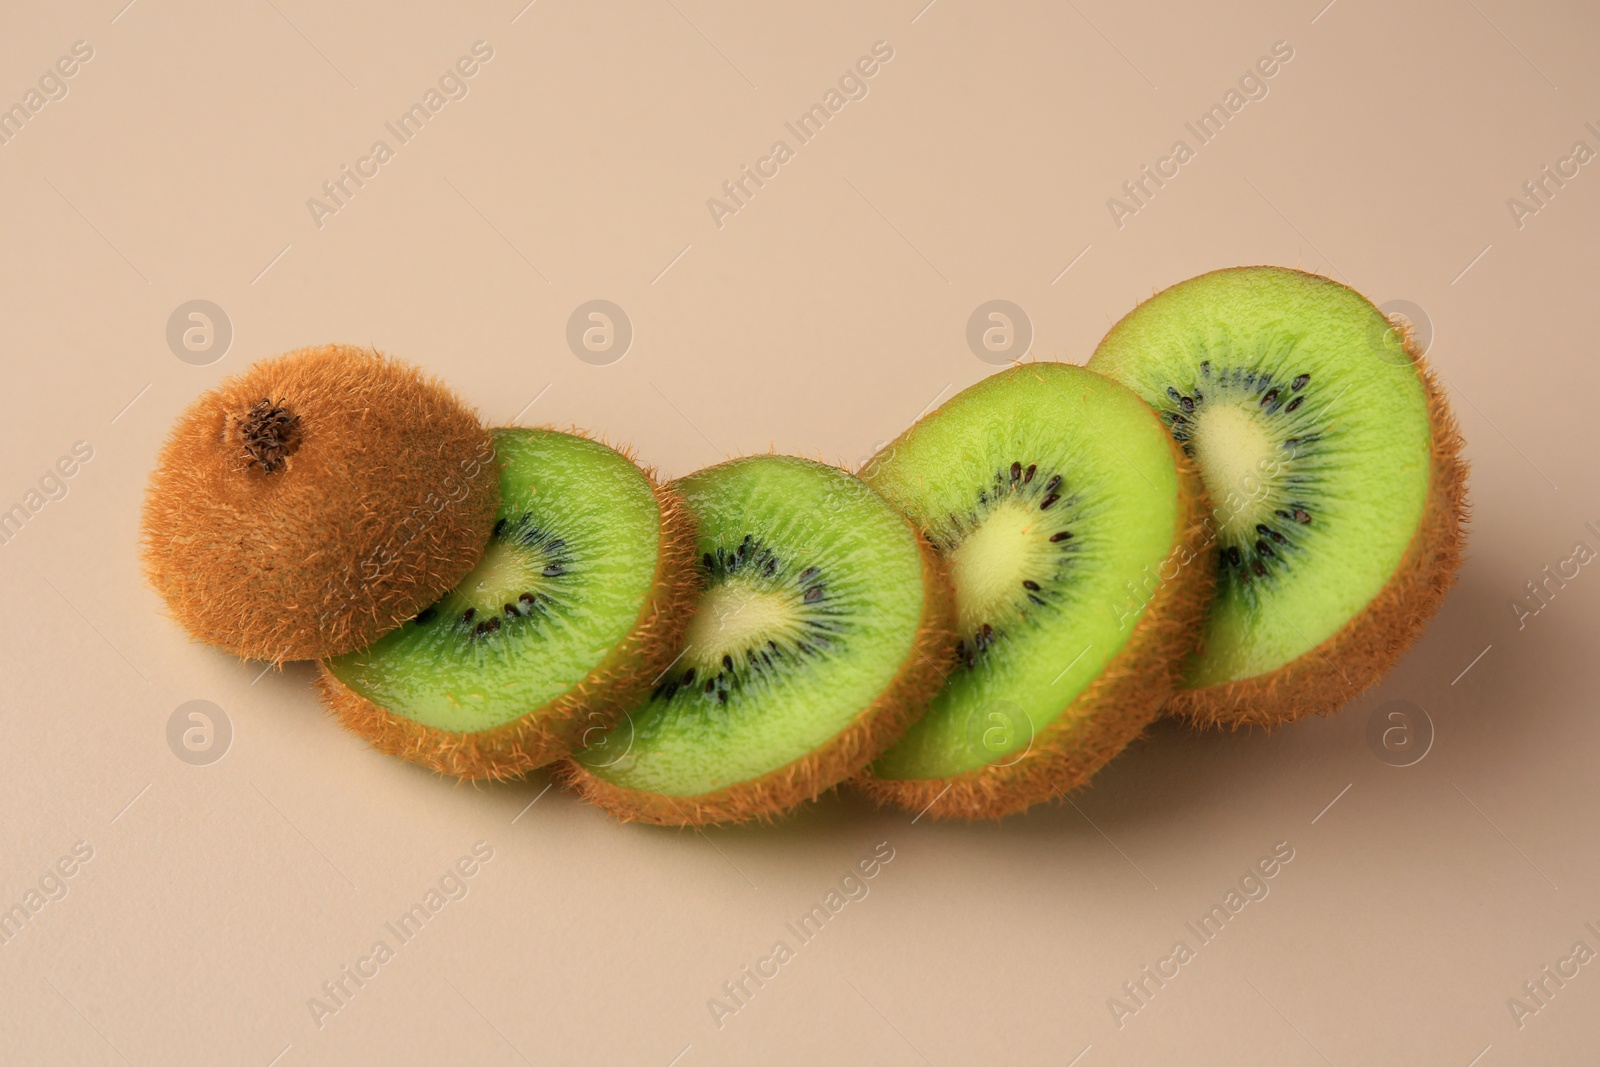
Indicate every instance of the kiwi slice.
{"type": "Point", "coordinates": [312, 503]}
{"type": "Point", "coordinates": [577, 603]}
{"type": "Point", "coordinates": [821, 633]}
{"type": "Point", "coordinates": [1334, 468]}
{"type": "Point", "coordinates": [1066, 514]}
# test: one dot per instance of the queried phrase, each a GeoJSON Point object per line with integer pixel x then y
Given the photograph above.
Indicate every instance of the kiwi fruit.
{"type": "Point", "coordinates": [1070, 522]}
{"type": "Point", "coordinates": [575, 606]}
{"type": "Point", "coordinates": [1335, 471]}
{"type": "Point", "coordinates": [822, 630]}
{"type": "Point", "coordinates": [310, 504]}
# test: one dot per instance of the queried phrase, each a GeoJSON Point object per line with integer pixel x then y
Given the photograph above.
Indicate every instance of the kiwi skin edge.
{"type": "Point", "coordinates": [874, 728]}
{"type": "Point", "coordinates": [548, 733]}
{"type": "Point", "coordinates": [1106, 715]}
{"type": "Point", "coordinates": [1360, 654]}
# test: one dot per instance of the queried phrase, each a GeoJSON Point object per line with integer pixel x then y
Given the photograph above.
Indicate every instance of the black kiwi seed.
{"type": "Point", "coordinates": [708, 561]}
{"type": "Point", "coordinates": [727, 663]}
{"type": "Point", "coordinates": [807, 574]}
{"type": "Point", "coordinates": [499, 528]}
{"type": "Point", "coordinates": [1301, 516]}
{"type": "Point", "coordinates": [425, 616]}
{"type": "Point", "coordinates": [1265, 549]}
{"type": "Point", "coordinates": [1296, 402]}
{"type": "Point", "coordinates": [1064, 535]}
{"type": "Point", "coordinates": [527, 598]}
{"type": "Point", "coordinates": [1029, 583]}
{"type": "Point", "coordinates": [1027, 475]}
{"type": "Point", "coordinates": [1234, 558]}
{"type": "Point", "coordinates": [1047, 501]}
{"type": "Point", "coordinates": [1186, 403]}
{"type": "Point", "coordinates": [813, 594]}
{"type": "Point", "coordinates": [1016, 470]}
{"type": "Point", "coordinates": [1300, 382]}
{"type": "Point", "coordinates": [466, 616]}
{"type": "Point", "coordinates": [553, 569]}
{"type": "Point", "coordinates": [1053, 484]}
{"type": "Point", "coordinates": [1259, 567]}
{"type": "Point", "coordinates": [1269, 398]}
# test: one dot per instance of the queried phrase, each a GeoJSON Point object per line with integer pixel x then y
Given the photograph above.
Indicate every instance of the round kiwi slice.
{"type": "Point", "coordinates": [1068, 518]}
{"type": "Point", "coordinates": [575, 606]}
{"type": "Point", "coordinates": [1335, 471]}
{"type": "Point", "coordinates": [314, 502]}
{"type": "Point", "coordinates": [822, 631]}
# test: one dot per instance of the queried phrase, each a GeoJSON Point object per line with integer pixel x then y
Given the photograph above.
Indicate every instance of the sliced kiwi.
{"type": "Point", "coordinates": [575, 605]}
{"type": "Point", "coordinates": [822, 631]}
{"type": "Point", "coordinates": [1334, 468]}
{"type": "Point", "coordinates": [1067, 516]}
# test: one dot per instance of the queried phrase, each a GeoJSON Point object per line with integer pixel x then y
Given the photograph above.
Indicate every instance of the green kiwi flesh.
{"type": "Point", "coordinates": [1310, 423]}
{"type": "Point", "coordinates": [815, 639]}
{"type": "Point", "coordinates": [1057, 499]}
{"type": "Point", "coordinates": [567, 577]}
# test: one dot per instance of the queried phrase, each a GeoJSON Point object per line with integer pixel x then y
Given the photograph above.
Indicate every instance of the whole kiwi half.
{"type": "Point", "coordinates": [821, 633]}
{"type": "Point", "coordinates": [312, 503]}
{"type": "Point", "coordinates": [1070, 523]}
{"type": "Point", "coordinates": [1335, 475]}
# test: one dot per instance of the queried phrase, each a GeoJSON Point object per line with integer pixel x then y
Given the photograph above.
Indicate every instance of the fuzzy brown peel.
{"type": "Point", "coordinates": [312, 503]}
{"type": "Point", "coordinates": [548, 733]}
{"type": "Point", "coordinates": [1365, 648]}
{"type": "Point", "coordinates": [1106, 715]}
{"type": "Point", "coordinates": [875, 727]}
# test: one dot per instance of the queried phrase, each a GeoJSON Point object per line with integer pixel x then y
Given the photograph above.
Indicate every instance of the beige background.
{"type": "Point", "coordinates": [820, 319]}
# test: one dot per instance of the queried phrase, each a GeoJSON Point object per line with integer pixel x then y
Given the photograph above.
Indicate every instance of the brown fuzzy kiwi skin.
{"type": "Point", "coordinates": [381, 500]}
{"type": "Point", "coordinates": [548, 733]}
{"type": "Point", "coordinates": [1111, 711]}
{"type": "Point", "coordinates": [875, 727]}
{"type": "Point", "coordinates": [1361, 653]}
